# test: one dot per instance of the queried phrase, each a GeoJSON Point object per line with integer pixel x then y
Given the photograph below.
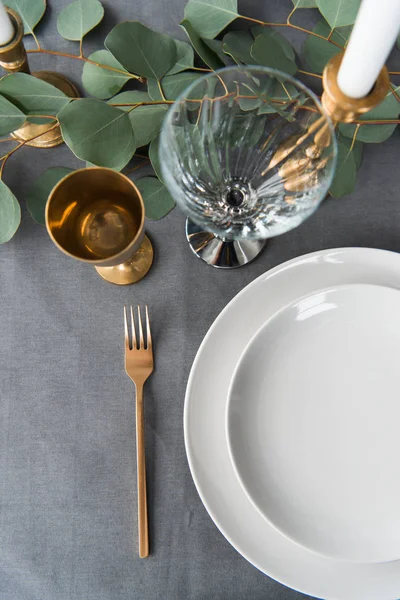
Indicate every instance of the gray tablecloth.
{"type": "Point", "coordinates": [67, 430]}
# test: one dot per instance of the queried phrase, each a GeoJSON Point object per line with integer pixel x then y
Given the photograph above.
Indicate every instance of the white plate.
{"type": "Point", "coordinates": [312, 422]}
{"type": "Point", "coordinates": [204, 425]}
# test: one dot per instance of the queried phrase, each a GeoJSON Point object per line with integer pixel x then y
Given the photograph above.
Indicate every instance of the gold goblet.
{"type": "Point", "coordinates": [97, 215]}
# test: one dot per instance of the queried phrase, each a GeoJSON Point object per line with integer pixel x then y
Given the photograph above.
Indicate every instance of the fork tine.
{"type": "Point", "coordinates": [126, 330]}
{"type": "Point", "coordinates": [140, 329]}
{"type": "Point", "coordinates": [149, 344]}
{"type": "Point", "coordinates": [134, 346]}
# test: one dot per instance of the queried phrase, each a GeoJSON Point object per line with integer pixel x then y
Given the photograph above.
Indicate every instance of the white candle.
{"type": "Point", "coordinates": [373, 36]}
{"type": "Point", "coordinates": [6, 27]}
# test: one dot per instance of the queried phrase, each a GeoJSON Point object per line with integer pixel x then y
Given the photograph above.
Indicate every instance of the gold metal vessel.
{"type": "Point", "coordinates": [13, 59]}
{"type": "Point", "coordinates": [97, 215]}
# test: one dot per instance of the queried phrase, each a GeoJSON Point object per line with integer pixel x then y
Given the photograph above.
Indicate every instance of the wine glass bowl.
{"type": "Point", "coordinates": [247, 153]}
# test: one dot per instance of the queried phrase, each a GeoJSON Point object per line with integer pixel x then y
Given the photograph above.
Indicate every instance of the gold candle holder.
{"type": "Point", "coordinates": [13, 58]}
{"type": "Point", "coordinates": [342, 108]}
{"type": "Point", "coordinates": [97, 215]}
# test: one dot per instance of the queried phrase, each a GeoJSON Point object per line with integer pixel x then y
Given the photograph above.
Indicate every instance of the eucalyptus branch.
{"type": "Point", "coordinates": [83, 58]}
{"type": "Point", "coordinates": [289, 24]}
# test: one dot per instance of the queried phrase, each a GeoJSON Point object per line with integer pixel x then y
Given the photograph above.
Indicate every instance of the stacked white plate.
{"type": "Point", "coordinates": [291, 423]}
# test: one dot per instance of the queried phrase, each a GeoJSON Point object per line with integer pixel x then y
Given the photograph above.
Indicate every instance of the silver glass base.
{"type": "Point", "coordinates": [219, 253]}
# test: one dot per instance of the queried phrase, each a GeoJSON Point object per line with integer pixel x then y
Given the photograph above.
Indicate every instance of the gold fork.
{"type": "Point", "coordinates": [139, 365]}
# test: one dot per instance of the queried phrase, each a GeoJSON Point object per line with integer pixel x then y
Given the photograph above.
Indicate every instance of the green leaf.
{"type": "Point", "coordinates": [145, 120]}
{"type": "Point", "coordinates": [304, 3]}
{"type": "Point", "coordinates": [317, 52]}
{"type": "Point", "coordinates": [103, 83]}
{"type": "Point", "coordinates": [237, 44]}
{"type": "Point", "coordinates": [339, 12]}
{"type": "Point", "coordinates": [32, 95]}
{"type": "Point", "coordinates": [388, 109]}
{"type": "Point", "coordinates": [209, 57]}
{"type": "Point", "coordinates": [356, 147]}
{"type": "Point", "coordinates": [398, 42]}
{"type": "Point", "coordinates": [268, 51]}
{"type": "Point", "coordinates": [184, 57]}
{"type": "Point", "coordinates": [141, 50]}
{"type": "Point", "coordinates": [157, 200]}
{"type": "Point", "coordinates": [97, 132]}
{"type": "Point", "coordinates": [11, 117]}
{"type": "Point", "coordinates": [10, 213]}
{"type": "Point", "coordinates": [345, 174]}
{"type": "Point", "coordinates": [30, 11]}
{"type": "Point", "coordinates": [172, 85]}
{"type": "Point", "coordinates": [39, 192]}
{"type": "Point", "coordinates": [210, 17]}
{"type": "Point", "coordinates": [154, 157]}
{"type": "Point", "coordinates": [216, 47]}
{"type": "Point", "coordinates": [78, 18]}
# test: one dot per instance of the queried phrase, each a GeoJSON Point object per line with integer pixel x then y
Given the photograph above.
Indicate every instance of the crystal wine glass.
{"type": "Point", "coordinates": [248, 154]}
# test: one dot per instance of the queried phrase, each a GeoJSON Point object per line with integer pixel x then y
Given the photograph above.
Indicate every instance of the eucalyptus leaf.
{"type": "Point", "coordinates": [146, 120]}
{"type": "Point", "coordinates": [11, 117]}
{"type": "Point", "coordinates": [237, 44]}
{"type": "Point", "coordinates": [184, 57]}
{"type": "Point", "coordinates": [172, 85]}
{"type": "Point", "coordinates": [304, 3]}
{"type": "Point", "coordinates": [30, 11]}
{"type": "Point", "coordinates": [78, 18]}
{"type": "Point", "coordinates": [155, 158]}
{"type": "Point", "coordinates": [356, 148]}
{"type": "Point", "coordinates": [216, 47]}
{"type": "Point", "coordinates": [339, 12]}
{"type": "Point", "coordinates": [346, 172]}
{"type": "Point", "coordinates": [207, 55]}
{"type": "Point", "coordinates": [40, 190]}
{"type": "Point", "coordinates": [286, 47]}
{"type": "Point", "coordinates": [141, 50]}
{"type": "Point", "coordinates": [32, 95]}
{"type": "Point", "coordinates": [388, 109]}
{"type": "Point", "coordinates": [267, 51]}
{"type": "Point", "coordinates": [157, 200]}
{"type": "Point", "coordinates": [10, 213]}
{"type": "Point", "coordinates": [210, 17]}
{"type": "Point", "coordinates": [97, 132]}
{"type": "Point", "coordinates": [103, 83]}
{"type": "Point", "coordinates": [130, 97]}
{"type": "Point", "coordinates": [317, 52]}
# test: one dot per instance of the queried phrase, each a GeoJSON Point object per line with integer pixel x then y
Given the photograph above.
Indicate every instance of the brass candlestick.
{"type": "Point", "coordinates": [307, 151]}
{"type": "Point", "coordinates": [342, 108]}
{"type": "Point", "coordinates": [13, 59]}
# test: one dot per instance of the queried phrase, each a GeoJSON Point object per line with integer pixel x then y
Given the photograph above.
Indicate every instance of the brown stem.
{"type": "Point", "coordinates": [289, 24]}
{"type": "Point", "coordinates": [395, 94]}
{"type": "Point", "coordinates": [377, 122]}
{"type": "Point", "coordinates": [135, 104]}
{"type": "Point", "coordinates": [92, 62]}
{"type": "Point", "coordinates": [310, 74]}
{"type": "Point", "coordinates": [7, 156]}
{"type": "Point", "coordinates": [161, 90]}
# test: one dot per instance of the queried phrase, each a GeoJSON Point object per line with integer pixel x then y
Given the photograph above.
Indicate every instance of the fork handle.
{"type": "Point", "coordinates": [141, 476]}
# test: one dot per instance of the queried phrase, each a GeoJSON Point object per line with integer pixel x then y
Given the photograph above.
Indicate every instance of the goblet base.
{"type": "Point", "coordinates": [219, 253]}
{"type": "Point", "coordinates": [133, 270]}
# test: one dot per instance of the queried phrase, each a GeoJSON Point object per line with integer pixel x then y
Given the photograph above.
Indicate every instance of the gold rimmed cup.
{"type": "Point", "coordinates": [97, 215]}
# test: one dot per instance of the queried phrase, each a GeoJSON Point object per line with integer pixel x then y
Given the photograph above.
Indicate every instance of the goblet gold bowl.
{"type": "Point", "coordinates": [97, 215]}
